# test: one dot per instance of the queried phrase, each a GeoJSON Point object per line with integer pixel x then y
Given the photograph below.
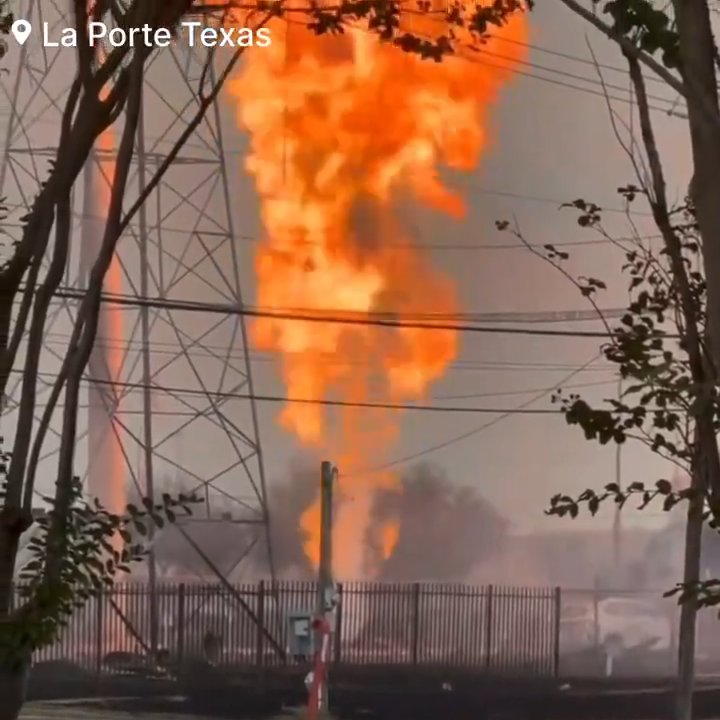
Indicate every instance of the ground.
{"type": "Point", "coordinates": [61, 711]}
{"type": "Point", "coordinates": [94, 711]}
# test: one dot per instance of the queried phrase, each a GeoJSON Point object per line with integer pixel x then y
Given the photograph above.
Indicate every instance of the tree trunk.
{"type": "Point", "coordinates": [11, 528]}
{"type": "Point", "coordinates": [13, 690]}
{"type": "Point", "coordinates": [697, 57]}
{"type": "Point", "coordinates": [688, 610]}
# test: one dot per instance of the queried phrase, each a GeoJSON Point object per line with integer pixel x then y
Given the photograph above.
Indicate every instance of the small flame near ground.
{"type": "Point", "coordinates": [343, 130]}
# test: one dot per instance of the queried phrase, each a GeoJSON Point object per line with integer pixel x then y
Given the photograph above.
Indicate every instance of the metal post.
{"type": "Point", "coordinates": [489, 620]}
{"type": "Point", "coordinates": [147, 441]}
{"type": "Point", "coordinates": [99, 628]}
{"type": "Point", "coordinates": [557, 597]}
{"type": "Point", "coordinates": [337, 630]}
{"type": "Point", "coordinates": [260, 627]}
{"type": "Point", "coordinates": [181, 624]}
{"type": "Point", "coordinates": [596, 617]}
{"type": "Point", "coordinates": [415, 614]}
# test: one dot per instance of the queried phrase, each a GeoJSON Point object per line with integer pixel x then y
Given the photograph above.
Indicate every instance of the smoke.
{"type": "Point", "coordinates": [287, 501]}
{"type": "Point", "coordinates": [224, 543]}
{"type": "Point", "coordinates": [437, 531]}
{"type": "Point", "coordinates": [443, 530]}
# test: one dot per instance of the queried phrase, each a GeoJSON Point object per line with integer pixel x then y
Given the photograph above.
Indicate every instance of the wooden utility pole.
{"type": "Point", "coordinates": [325, 602]}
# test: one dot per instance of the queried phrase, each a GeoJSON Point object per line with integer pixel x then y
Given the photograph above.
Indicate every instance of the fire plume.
{"type": "Point", "coordinates": [106, 461]}
{"type": "Point", "coordinates": [343, 130]}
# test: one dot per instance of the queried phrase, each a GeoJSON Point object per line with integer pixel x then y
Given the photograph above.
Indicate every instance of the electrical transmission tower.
{"type": "Point", "coordinates": [169, 387]}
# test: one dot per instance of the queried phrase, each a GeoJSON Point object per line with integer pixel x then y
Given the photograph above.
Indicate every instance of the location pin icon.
{"type": "Point", "coordinates": [21, 29]}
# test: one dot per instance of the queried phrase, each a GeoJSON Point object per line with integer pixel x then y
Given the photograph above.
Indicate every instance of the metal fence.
{"type": "Point", "coordinates": [495, 629]}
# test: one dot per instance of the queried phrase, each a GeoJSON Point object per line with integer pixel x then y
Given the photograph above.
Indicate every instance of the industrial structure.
{"type": "Point", "coordinates": [169, 387]}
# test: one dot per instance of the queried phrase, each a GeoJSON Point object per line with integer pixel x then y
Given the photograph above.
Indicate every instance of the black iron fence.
{"type": "Point", "coordinates": [497, 629]}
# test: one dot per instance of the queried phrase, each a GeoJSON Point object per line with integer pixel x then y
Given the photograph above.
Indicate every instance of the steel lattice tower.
{"type": "Point", "coordinates": [169, 385]}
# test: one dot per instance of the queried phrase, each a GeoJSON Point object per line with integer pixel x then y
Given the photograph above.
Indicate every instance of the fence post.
{"type": "Point", "coordinates": [99, 629]}
{"type": "Point", "coordinates": [596, 617]}
{"type": "Point", "coordinates": [415, 622]}
{"type": "Point", "coordinates": [556, 649]}
{"type": "Point", "coordinates": [260, 626]}
{"type": "Point", "coordinates": [489, 597]}
{"type": "Point", "coordinates": [337, 630]}
{"type": "Point", "coordinates": [181, 623]}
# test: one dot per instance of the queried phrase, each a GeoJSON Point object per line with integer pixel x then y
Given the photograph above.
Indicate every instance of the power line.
{"type": "Point", "coordinates": [443, 247]}
{"type": "Point", "coordinates": [568, 56]}
{"type": "Point", "coordinates": [470, 56]}
{"type": "Point", "coordinates": [468, 184]}
{"type": "Point", "coordinates": [564, 73]}
{"type": "Point", "coordinates": [460, 396]}
{"type": "Point", "coordinates": [369, 319]}
{"type": "Point", "coordinates": [527, 391]}
{"type": "Point", "coordinates": [169, 349]}
{"type": "Point", "coordinates": [589, 91]}
{"type": "Point", "coordinates": [519, 410]}
{"type": "Point", "coordinates": [535, 317]}
{"type": "Point", "coordinates": [547, 201]}
{"type": "Point", "coordinates": [308, 401]}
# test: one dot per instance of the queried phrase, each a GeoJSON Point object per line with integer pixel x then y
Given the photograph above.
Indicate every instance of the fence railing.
{"type": "Point", "coordinates": [496, 629]}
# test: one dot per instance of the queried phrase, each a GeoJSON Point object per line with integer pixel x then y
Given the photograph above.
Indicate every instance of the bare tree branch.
{"type": "Point", "coordinates": [79, 352]}
{"type": "Point", "coordinates": [627, 46]}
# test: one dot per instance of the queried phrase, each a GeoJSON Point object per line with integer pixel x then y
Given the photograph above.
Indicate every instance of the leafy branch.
{"type": "Point", "coordinates": [97, 546]}
{"type": "Point", "coordinates": [565, 505]}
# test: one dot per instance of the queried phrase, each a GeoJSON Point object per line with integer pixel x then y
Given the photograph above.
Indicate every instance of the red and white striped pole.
{"type": "Point", "coordinates": [317, 696]}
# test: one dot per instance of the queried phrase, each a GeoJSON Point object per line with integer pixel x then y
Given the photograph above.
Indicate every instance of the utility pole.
{"type": "Point", "coordinates": [325, 599]}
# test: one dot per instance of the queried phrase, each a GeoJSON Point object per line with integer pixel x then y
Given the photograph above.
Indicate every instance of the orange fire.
{"type": "Point", "coordinates": [111, 325]}
{"type": "Point", "coordinates": [108, 466]}
{"type": "Point", "coordinates": [389, 536]}
{"type": "Point", "coordinates": [343, 129]}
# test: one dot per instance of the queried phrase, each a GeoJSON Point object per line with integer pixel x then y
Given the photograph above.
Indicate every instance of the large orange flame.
{"type": "Point", "coordinates": [106, 468]}
{"type": "Point", "coordinates": [343, 128]}
{"type": "Point", "coordinates": [105, 455]}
